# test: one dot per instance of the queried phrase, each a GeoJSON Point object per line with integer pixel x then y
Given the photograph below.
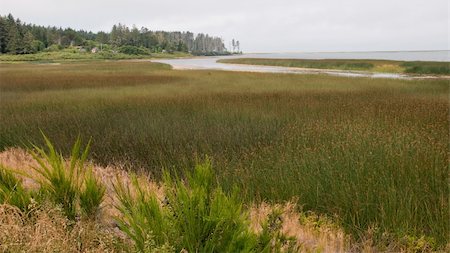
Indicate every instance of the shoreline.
{"type": "Point", "coordinates": [206, 63]}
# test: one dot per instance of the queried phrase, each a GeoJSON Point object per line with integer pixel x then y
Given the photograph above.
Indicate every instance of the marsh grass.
{"type": "Point", "coordinates": [417, 67]}
{"type": "Point", "coordinates": [373, 153]}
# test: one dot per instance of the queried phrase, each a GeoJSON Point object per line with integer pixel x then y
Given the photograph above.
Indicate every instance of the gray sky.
{"type": "Point", "coordinates": [261, 25]}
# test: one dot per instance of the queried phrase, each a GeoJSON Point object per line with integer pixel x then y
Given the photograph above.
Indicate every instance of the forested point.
{"type": "Point", "coordinates": [17, 37]}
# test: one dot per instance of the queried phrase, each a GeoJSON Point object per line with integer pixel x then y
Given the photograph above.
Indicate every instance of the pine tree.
{"type": "Point", "coordinates": [3, 35]}
{"type": "Point", "coordinates": [14, 45]}
{"type": "Point", "coordinates": [28, 45]}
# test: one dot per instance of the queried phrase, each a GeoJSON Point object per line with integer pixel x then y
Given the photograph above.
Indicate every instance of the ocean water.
{"type": "Point", "coordinates": [439, 55]}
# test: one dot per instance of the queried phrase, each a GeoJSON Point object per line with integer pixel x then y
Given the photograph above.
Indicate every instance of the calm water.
{"type": "Point", "coordinates": [211, 62]}
{"type": "Point", "coordinates": [442, 55]}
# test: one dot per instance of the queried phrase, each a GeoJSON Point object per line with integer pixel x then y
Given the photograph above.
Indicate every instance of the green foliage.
{"type": "Point", "coordinates": [53, 48]}
{"type": "Point", "coordinates": [28, 46]}
{"type": "Point", "coordinates": [207, 219]}
{"type": "Point", "coordinates": [37, 46]}
{"type": "Point", "coordinates": [419, 67]}
{"type": "Point", "coordinates": [17, 38]}
{"type": "Point", "coordinates": [69, 55]}
{"type": "Point", "coordinates": [12, 191]}
{"type": "Point", "coordinates": [196, 216]}
{"type": "Point", "coordinates": [143, 220]}
{"type": "Point", "coordinates": [134, 50]}
{"type": "Point", "coordinates": [91, 195]}
{"type": "Point", "coordinates": [63, 181]}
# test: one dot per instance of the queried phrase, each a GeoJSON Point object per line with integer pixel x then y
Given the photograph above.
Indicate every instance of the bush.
{"type": "Point", "coordinates": [53, 48]}
{"type": "Point", "coordinates": [134, 50]}
{"type": "Point", "coordinates": [68, 184]}
{"type": "Point", "coordinates": [37, 46]}
{"type": "Point", "coordinates": [196, 216]}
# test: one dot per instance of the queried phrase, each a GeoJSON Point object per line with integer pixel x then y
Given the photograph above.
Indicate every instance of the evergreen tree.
{"type": "Point", "coordinates": [3, 35]}
{"type": "Point", "coordinates": [28, 43]}
{"type": "Point", "coordinates": [17, 38]}
{"type": "Point", "coordinates": [14, 44]}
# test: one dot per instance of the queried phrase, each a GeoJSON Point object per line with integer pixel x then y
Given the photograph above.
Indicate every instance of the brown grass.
{"type": "Point", "coordinates": [46, 229]}
{"type": "Point", "coordinates": [309, 235]}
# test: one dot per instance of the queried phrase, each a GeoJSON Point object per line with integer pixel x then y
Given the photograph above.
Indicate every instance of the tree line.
{"type": "Point", "coordinates": [17, 37]}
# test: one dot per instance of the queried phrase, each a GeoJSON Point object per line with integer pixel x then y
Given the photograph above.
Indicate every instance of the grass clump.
{"type": "Point", "coordinates": [67, 183]}
{"type": "Point", "coordinates": [196, 215]}
{"type": "Point", "coordinates": [91, 194]}
{"type": "Point", "coordinates": [12, 191]}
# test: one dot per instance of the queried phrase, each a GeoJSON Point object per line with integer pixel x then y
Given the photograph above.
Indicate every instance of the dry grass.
{"type": "Point", "coordinates": [46, 229]}
{"type": "Point", "coordinates": [310, 236]}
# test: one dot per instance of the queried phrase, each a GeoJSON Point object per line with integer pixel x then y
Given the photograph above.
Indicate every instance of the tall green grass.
{"type": "Point", "coordinates": [371, 152]}
{"type": "Point", "coordinates": [91, 194]}
{"type": "Point", "coordinates": [12, 191]}
{"type": "Point", "coordinates": [68, 184]}
{"type": "Point", "coordinates": [196, 215]}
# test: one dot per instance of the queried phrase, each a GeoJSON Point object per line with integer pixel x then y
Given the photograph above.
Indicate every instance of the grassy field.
{"type": "Point", "coordinates": [412, 67]}
{"type": "Point", "coordinates": [372, 153]}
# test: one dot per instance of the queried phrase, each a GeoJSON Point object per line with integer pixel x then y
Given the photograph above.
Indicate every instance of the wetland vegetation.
{"type": "Point", "coordinates": [385, 66]}
{"type": "Point", "coordinates": [372, 154]}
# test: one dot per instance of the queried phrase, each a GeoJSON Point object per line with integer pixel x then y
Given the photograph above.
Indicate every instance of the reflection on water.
{"type": "Point", "coordinates": [211, 62]}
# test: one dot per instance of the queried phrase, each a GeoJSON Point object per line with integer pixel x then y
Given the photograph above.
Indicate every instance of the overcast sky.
{"type": "Point", "coordinates": [261, 25]}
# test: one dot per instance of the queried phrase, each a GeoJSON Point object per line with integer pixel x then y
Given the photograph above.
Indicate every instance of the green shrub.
{"type": "Point", "coordinates": [12, 191]}
{"type": "Point", "coordinates": [143, 220]}
{"type": "Point", "coordinates": [195, 215]}
{"type": "Point", "coordinates": [134, 50]}
{"type": "Point", "coordinates": [53, 48]}
{"type": "Point", "coordinates": [91, 195]}
{"type": "Point", "coordinates": [66, 183]}
{"type": "Point", "coordinates": [207, 219]}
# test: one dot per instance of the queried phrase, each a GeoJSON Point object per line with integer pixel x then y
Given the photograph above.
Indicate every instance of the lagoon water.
{"type": "Point", "coordinates": [211, 62]}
